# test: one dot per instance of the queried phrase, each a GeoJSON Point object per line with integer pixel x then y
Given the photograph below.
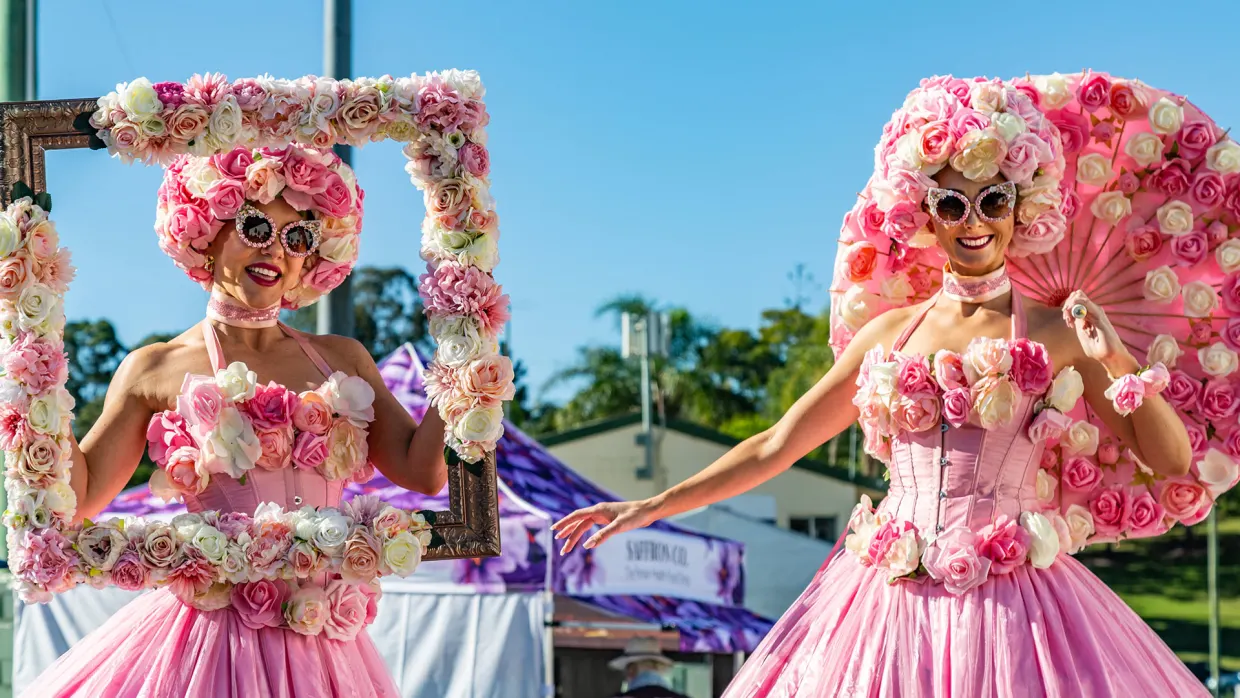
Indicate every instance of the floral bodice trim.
{"type": "Point", "coordinates": [226, 425]}
{"type": "Point", "coordinates": [899, 392]}
{"type": "Point", "coordinates": [339, 610]}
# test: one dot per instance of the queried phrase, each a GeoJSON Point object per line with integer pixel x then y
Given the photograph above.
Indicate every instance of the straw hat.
{"type": "Point", "coordinates": [640, 649]}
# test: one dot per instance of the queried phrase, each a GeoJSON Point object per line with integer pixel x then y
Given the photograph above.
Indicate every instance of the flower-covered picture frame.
{"type": "Point", "coordinates": [441, 119]}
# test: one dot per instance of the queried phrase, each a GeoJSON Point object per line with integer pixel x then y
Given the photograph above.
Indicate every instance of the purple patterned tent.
{"type": "Point", "coordinates": [666, 575]}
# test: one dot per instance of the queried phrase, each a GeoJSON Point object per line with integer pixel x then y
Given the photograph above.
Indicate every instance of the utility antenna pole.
{"type": "Point", "coordinates": [335, 312]}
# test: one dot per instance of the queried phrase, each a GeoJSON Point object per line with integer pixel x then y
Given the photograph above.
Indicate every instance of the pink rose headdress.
{"type": "Point", "coordinates": [200, 194]}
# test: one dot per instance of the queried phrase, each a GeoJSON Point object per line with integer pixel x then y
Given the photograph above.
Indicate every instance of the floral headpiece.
{"type": "Point", "coordinates": [199, 194]}
{"type": "Point", "coordinates": [980, 128]}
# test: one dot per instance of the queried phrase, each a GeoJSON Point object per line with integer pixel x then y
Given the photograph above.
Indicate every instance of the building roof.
{"type": "Point", "coordinates": [706, 434]}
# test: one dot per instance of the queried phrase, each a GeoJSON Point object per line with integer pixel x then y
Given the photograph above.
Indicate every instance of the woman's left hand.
{"type": "Point", "coordinates": [1097, 336]}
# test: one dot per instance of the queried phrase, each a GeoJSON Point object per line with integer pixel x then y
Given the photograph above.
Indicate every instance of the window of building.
{"type": "Point", "coordinates": [820, 527]}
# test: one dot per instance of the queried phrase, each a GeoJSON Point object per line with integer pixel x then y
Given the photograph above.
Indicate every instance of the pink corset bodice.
{"type": "Point", "coordinates": [964, 476]}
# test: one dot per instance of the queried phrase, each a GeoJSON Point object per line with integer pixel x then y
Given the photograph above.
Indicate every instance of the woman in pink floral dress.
{"type": "Point", "coordinates": [960, 583]}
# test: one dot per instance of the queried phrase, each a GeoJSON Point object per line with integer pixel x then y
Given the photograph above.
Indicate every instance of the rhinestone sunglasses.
{"type": "Point", "coordinates": [993, 204]}
{"type": "Point", "coordinates": [299, 238]}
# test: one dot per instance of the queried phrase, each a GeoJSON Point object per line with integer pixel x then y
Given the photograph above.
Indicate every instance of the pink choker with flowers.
{"type": "Point", "coordinates": [227, 310]}
{"type": "Point", "coordinates": [976, 289]}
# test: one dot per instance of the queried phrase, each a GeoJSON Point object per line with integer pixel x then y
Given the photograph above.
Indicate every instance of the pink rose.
{"type": "Point", "coordinates": [1199, 331]}
{"type": "Point", "coordinates": [953, 559]}
{"type": "Point", "coordinates": [1031, 366]}
{"type": "Point", "coordinates": [488, 379]}
{"type": "Point", "coordinates": [327, 275]}
{"type": "Point", "coordinates": [1025, 153]}
{"type": "Point", "coordinates": [277, 445]}
{"type": "Point", "coordinates": [190, 226]}
{"type": "Point", "coordinates": [860, 262]}
{"type": "Point", "coordinates": [957, 404]}
{"type": "Point", "coordinates": [1040, 236]}
{"type": "Point", "coordinates": [1208, 189]}
{"type": "Point", "coordinates": [1195, 138]}
{"type": "Point", "coordinates": [15, 275]}
{"type": "Point", "coordinates": [1125, 103]}
{"type": "Point", "coordinates": [1073, 130]}
{"type": "Point", "coordinates": [304, 175]}
{"type": "Point", "coordinates": [908, 185]}
{"type": "Point", "coordinates": [1005, 543]}
{"type": "Point", "coordinates": [167, 432]}
{"type": "Point", "coordinates": [877, 445]}
{"type": "Point", "coordinates": [310, 450]}
{"type": "Point", "coordinates": [1231, 333]}
{"type": "Point", "coordinates": [1190, 248]}
{"type": "Point", "coordinates": [1183, 391]}
{"type": "Point", "coordinates": [1049, 425]}
{"type": "Point", "coordinates": [449, 198]}
{"type": "Point", "coordinates": [934, 142]}
{"type": "Point", "coordinates": [475, 159]}
{"type": "Point", "coordinates": [312, 414]}
{"type": "Point", "coordinates": [885, 536]}
{"type": "Point", "coordinates": [1170, 178]}
{"type": "Point", "coordinates": [1231, 200]}
{"type": "Point", "coordinates": [914, 376]}
{"type": "Point", "coordinates": [200, 402]}
{"type": "Point", "coordinates": [264, 180]}
{"type": "Point", "coordinates": [1112, 510]}
{"type": "Point", "coordinates": [965, 120]}
{"type": "Point", "coordinates": [304, 560]}
{"type": "Point", "coordinates": [871, 219]}
{"type": "Point", "coordinates": [1049, 460]}
{"type": "Point", "coordinates": [1080, 474]}
{"type": "Point", "coordinates": [224, 198]}
{"type": "Point", "coordinates": [129, 573]}
{"type": "Point", "coordinates": [1186, 502]}
{"type": "Point", "coordinates": [1232, 443]}
{"type": "Point", "coordinates": [1129, 183]}
{"type": "Point", "coordinates": [1218, 400]}
{"type": "Point", "coordinates": [949, 370]}
{"type": "Point", "coordinates": [335, 201]}
{"type": "Point", "coordinates": [1103, 132]}
{"type": "Point", "coordinates": [307, 610]}
{"type": "Point", "coordinates": [1229, 293]}
{"type": "Point", "coordinates": [181, 469]}
{"type": "Point", "coordinates": [260, 604]}
{"type": "Point", "coordinates": [272, 406]}
{"type": "Point", "coordinates": [1094, 92]}
{"type": "Point", "coordinates": [1126, 393]}
{"type": "Point", "coordinates": [917, 412]}
{"type": "Point", "coordinates": [362, 552]}
{"type": "Point", "coordinates": [1071, 204]}
{"type": "Point", "coordinates": [1147, 515]}
{"type": "Point", "coordinates": [1028, 90]}
{"type": "Point", "coordinates": [1197, 439]}
{"type": "Point", "coordinates": [439, 106]}
{"type": "Point", "coordinates": [347, 610]}
{"type": "Point", "coordinates": [373, 593]}
{"type": "Point", "coordinates": [233, 164]}
{"type": "Point", "coordinates": [1144, 242]}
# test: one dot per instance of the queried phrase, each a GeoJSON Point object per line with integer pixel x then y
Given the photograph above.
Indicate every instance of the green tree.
{"type": "Point", "coordinates": [387, 312]}
{"type": "Point", "coordinates": [94, 353]}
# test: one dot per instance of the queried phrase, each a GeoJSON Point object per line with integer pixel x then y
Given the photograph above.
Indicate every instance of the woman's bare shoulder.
{"type": "Point", "coordinates": [340, 352]}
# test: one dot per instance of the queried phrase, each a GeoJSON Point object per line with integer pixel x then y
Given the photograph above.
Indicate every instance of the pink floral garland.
{"type": "Point", "coordinates": [442, 119]}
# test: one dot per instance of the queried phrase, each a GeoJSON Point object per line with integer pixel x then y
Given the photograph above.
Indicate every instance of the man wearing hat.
{"type": "Point", "coordinates": [645, 670]}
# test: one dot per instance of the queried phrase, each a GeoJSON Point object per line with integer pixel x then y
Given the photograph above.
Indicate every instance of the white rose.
{"type": "Point", "coordinates": [1008, 125]}
{"type": "Point", "coordinates": [199, 175]}
{"type": "Point", "coordinates": [61, 498]}
{"type": "Point", "coordinates": [439, 242]}
{"type": "Point", "coordinates": [857, 307]}
{"type": "Point", "coordinates": [236, 567]}
{"type": "Point", "coordinates": [977, 154]}
{"type": "Point", "coordinates": [1144, 148]}
{"type": "Point", "coordinates": [402, 554]}
{"type": "Point", "coordinates": [50, 412]}
{"type": "Point", "coordinates": [1094, 169]}
{"type": "Point", "coordinates": [232, 447]}
{"type": "Point", "coordinates": [36, 304]}
{"type": "Point", "coordinates": [1164, 349]}
{"type": "Point", "coordinates": [896, 288]}
{"type": "Point", "coordinates": [1218, 360]}
{"type": "Point", "coordinates": [350, 397]}
{"type": "Point", "coordinates": [1224, 157]}
{"type": "Point", "coordinates": [883, 379]}
{"type": "Point", "coordinates": [996, 406]}
{"type": "Point", "coordinates": [186, 526]}
{"type": "Point", "coordinates": [1043, 539]}
{"type": "Point", "coordinates": [1200, 299]}
{"type": "Point", "coordinates": [908, 151]}
{"type": "Point", "coordinates": [483, 253]}
{"type": "Point", "coordinates": [139, 99]}
{"type": "Point", "coordinates": [10, 236]}
{"type": "Point", "coordinates": [1054, 90]}
{"type": "Point", "coordinates": [1175, 218]}
{"type": "Point", "coordinates": [1081, 439]}
{"type": "Point", "coordinates": [481, 425]}
{"type": "Point", "coordinates": [224, 126]}
{"type": "Point", "coordinates": [333, 531]}
{"type": "Point", "coordinates": [153, 127]}
{"type": "Point", "coordinates": [903, 556]}
{"type": "Point", "coordinates": [304, 522]}
{"type": "Point", "coordinates": [341, 249]}
{"type": "Point", "coordinates": [1046, 485]}
{"type": "Point", "coordinates": [467, 83]}
{"type": "Point", "coordinates": [211, 542]}
{"type": "Point", "coordinates": [1066, 390]}
{"type": "Point", "coordinates": [1080, 526]}
{"type": "Point", "coordinates": [237, 382]}
{"type": "Point", "coordinates": [1218, 471]}
{"type": "Point", "coordinates": [459, 345]}
{"type": "Point", "coordinates": [1228, 256]}
{"type": "Point", "coordinates": [1162, 285]}
{"type": "Point", "coordinates": [1166, 117]}
{"type": "Point", "coordinates": [1111, 206]}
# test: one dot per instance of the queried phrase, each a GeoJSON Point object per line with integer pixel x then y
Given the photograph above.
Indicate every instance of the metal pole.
{"type": "Point", "coordinates": [1212, 590]}
{"type": "Point", "coordinates": [647, 410]}
{"type": "Point", "coordinates": [335, 312]}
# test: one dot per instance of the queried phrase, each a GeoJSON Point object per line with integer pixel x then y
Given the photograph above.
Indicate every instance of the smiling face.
{"type": "Point", "coordinates": [258, 277]}
{"type": "Point", "coordinates": [974, 246]}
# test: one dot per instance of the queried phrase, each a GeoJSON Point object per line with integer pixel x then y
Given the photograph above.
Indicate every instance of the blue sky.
{"type": "Point", "coordinates": [694, 152]}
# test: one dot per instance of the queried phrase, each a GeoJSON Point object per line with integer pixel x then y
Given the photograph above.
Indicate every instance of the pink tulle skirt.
{"type": "Point", "coordinates": [157, 647]}
{"type": "Point", "coordinates": [1058, 632]}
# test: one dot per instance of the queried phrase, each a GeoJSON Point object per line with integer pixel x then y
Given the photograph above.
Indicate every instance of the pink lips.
{"type": "Point", "coordinates": [259, 278]}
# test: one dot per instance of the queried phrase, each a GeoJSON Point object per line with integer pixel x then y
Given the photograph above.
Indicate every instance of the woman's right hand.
{"type": "Point", "coordinates": [614, 517]}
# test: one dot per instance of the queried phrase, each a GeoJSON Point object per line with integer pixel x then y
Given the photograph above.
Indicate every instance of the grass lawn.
{"type": "Point", "coordinates": [1164, 581]}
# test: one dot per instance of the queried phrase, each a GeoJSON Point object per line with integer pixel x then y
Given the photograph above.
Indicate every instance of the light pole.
{"type": "Point", "coordinates": [646, 336]}
{"type": "Point", "coordinates": [335, 312]}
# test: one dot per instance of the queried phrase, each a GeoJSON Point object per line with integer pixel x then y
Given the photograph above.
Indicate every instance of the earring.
{"type": "Point", "coordinates": [210, 265]}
